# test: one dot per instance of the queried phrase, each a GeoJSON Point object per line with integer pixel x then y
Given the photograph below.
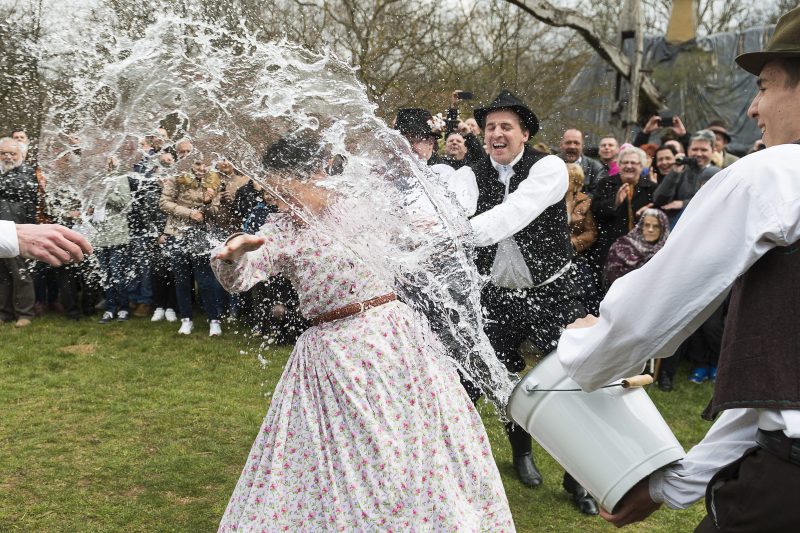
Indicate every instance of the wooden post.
{"type": "Point", "coordinates": [632, 26]}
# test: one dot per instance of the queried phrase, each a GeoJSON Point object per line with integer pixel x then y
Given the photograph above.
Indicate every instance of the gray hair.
{"type": "Point", "coordinates": [633, 150]}
{"type": "Point", "coordinates": [704, 136]}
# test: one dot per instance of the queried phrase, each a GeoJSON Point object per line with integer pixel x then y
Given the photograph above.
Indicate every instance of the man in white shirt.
{"type": "Point", "coordinates": [740, 234]}
{"type": "Point", "coordinates": [523, 244]}
{"type": "Point", "coordinates": [51, 243]}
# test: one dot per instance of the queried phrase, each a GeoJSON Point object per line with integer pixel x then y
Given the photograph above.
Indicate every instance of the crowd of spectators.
{"type": "Point", "coordinates": [621, 204]}
{"type": "Point", "coordinates": [152, 227]}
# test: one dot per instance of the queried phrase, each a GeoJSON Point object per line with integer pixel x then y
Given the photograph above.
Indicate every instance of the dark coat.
{"type": "Point", "coordinates": [593, 171]}
{"type": "Point", "coordinates": [19, 195]}
{"type": "Point", "coordinates": [612, 222]}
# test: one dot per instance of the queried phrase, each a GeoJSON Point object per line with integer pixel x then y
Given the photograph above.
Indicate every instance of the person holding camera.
{"type": "Point", "coordinates": [663, 120]}
{"type": "Point", "coordinates": [690, 173]}
{"type": "Point", "coordinates": [468, 130]}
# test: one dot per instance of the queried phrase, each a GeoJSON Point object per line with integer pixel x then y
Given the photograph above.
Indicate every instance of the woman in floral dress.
{"type": "Point", "coordinates": [369, 428]}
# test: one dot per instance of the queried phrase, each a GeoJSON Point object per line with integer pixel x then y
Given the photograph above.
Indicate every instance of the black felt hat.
{"type": "Point", "coordinates": [415, 121]}
{"type": "Point", "coordinates": [784, 44]}
{"type": "Point", "coordinates": [506, 100]}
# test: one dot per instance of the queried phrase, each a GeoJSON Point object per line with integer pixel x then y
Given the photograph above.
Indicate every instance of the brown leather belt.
{"type": "Point", "coordinates": [353, 309]}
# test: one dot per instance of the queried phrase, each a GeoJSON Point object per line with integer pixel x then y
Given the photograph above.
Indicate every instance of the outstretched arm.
{"type": "Point", "coordinates": [50, 243]}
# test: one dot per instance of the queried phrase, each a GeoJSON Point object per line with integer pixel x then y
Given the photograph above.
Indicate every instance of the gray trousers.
{"type": "Point", "coordinates": [16, 289]}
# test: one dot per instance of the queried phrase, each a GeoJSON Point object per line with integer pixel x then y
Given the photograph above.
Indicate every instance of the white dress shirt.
{"type": "Point", "coordinates": [739, 215]}
{"type": "Point", "coordinates": [545, 185]}
{"type": "Point", "coordinates": [9, 244]}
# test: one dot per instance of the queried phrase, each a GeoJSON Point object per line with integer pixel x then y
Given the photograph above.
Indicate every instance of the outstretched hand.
{"type": "Point", "coordinates": [51, 243]}
{"type": "Point", "coordinates": [238, 246]}
{"type": "Point", "coordinates": [635, 506]}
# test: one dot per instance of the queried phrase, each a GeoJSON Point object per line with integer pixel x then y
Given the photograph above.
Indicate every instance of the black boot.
{"type": "Point", "coordinates": [523, 456]}
{"type": "Point", "coordinates": [582, 500]}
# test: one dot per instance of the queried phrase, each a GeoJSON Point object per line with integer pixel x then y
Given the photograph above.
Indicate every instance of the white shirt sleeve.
{"type": "Point", "coordinates": [739, 215]}
{"type": "Point", "coordinates": [681, 484]}
{"type": "Point", "coordinates": [462, 184]}
{"type": "Point", "coordinates": [9, 244]}
{"type": "Point", "coordinates": [545, 185]}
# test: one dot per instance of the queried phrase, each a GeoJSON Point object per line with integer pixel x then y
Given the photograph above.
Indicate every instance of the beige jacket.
{"type": "Point", "coordinates": [183, 194]}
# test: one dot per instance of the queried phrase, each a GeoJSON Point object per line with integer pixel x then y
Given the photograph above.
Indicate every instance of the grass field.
{"type": "Point", "coordinates": [127, 427]}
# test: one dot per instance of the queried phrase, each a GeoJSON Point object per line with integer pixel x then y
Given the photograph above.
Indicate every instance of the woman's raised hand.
{"type": "Point", "coordinates": [238, 246]}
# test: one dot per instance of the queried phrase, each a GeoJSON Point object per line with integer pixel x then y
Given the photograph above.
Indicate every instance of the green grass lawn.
{"type": "Point", "coordinates": [128, 427]}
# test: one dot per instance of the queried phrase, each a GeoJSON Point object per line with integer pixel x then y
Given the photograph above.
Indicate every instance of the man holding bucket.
{"type": "Point", "coordinates": [741, 234]}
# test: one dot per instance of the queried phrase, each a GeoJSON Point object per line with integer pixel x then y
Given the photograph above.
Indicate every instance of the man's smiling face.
{"type": "Point", "coordinates": [776, 107]}
{"type": "Point", "coordinates": [504, 135]}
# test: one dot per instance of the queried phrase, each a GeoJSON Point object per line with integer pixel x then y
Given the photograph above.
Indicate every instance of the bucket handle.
{"type": "Point", "coordinates": [627, 383]}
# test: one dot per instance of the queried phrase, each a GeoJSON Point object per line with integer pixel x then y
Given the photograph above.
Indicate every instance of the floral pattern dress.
{"type": "Point", "coordinates": [369, 428]}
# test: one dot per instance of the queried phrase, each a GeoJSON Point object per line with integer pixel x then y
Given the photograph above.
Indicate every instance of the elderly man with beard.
{"type": "Point", "coordinates": [18, 199]}
{"type": "Point", "coordinates": [523, 245]}
{"type": "Point", "coordinates": [571, 151]}
{"type": "Point", "coordinates": [740, 236]}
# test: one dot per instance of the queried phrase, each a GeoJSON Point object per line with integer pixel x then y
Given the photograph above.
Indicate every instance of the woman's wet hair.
{"type": "Point", "coordinates": [298, 155]}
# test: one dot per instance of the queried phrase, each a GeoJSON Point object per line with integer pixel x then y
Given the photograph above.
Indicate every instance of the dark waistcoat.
{"type": "Point", "coordinates": [544, 243]}
{"type": "Point", "coordinates": [759, 365]}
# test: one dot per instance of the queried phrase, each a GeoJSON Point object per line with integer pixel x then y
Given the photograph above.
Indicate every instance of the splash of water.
{"type": "Point", "coordinates": [233, 96]}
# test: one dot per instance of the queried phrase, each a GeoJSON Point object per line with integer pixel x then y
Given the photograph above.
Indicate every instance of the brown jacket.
{"type": "Point", "coordinates": [183, 194]}
{"type": "Point", "coordinates": [583, 229]}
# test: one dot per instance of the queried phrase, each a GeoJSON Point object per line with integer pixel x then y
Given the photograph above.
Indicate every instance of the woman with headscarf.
{"type": "Point", "coordinates": [633, 250]}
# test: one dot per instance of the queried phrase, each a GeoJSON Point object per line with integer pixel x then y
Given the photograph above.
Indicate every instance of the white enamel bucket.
{"type": "Point", "coordinates": [608, 440]}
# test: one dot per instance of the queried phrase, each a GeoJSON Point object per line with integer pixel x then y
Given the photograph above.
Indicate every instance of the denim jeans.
{"type": "Point", "coordinates": [140, 286]}
{"type": "Point", "coordinates": [114, 265]}
{"type": "Point", "coordinates": [184, 264]}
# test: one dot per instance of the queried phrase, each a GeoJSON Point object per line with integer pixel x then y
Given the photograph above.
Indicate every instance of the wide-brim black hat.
{"type": "Point", "coordinates": [506, 100]}
{"type": "Point", "coordinates": [784, 44]}
{"type": "Point", "coordinates": [415, 121]}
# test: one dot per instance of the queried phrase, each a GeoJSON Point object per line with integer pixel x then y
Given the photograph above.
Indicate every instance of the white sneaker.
{"type": "Point", "coordinates": [158, 315]}
{"type": "Point", "coordinates": [186, 326]}
{"type": "Point", "coordinates": [122, 316]}
{"type": "Point", "coordinates": [170, 315]}
{"type": "Point", "coordinates": [215, 329]}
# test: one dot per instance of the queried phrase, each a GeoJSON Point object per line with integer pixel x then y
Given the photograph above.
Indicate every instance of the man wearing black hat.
{"type": "Point", "coordinates": [739, 235]}
{"type": "Point", "coordinates": [523, 244]}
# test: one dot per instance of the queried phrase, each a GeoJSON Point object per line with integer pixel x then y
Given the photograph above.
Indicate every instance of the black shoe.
{"type": "Point", "coordinates": [523, 456]}
{"type": "Point", "coordinates": [582, 500]}
{"type": "Point", "coordinates": [527, 471]}
{"type": "Point", "coordinates": [665, 383]}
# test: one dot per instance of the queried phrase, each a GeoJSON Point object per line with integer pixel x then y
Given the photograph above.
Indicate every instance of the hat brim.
{"type": "Point", "coordinates": [526, 116]}
{"type": "Point", "coordinates": [753, 62]}
{"type": "Point", "coordinates": [725, 134]}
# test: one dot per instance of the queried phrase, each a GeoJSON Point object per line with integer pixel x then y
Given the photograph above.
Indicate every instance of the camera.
{"type": "Point", "coordinates": [690, 162]}
{"type": "Point", "coordinates": [465, 95]}
{"type": "Point", "coordinates": [666, 119]}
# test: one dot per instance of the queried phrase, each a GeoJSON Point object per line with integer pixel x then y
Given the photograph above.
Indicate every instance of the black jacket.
{"type": "Point", "coordinates": [612, 222]}
{"type": "Point", "coordinates": [18, 195]}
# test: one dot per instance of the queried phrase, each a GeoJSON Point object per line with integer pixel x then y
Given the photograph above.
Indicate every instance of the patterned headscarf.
{"type": "Point", "coordinates": [631, 251]}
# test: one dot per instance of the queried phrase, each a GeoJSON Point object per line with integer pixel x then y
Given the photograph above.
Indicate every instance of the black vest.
{"type": "Point", "coordinates": [759, 365]}
{"type": "Point", "coordinates": [544, 243]}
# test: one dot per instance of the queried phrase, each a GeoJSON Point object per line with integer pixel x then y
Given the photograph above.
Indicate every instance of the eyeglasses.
{"type": "Point", "coordinates": [9, 154]}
